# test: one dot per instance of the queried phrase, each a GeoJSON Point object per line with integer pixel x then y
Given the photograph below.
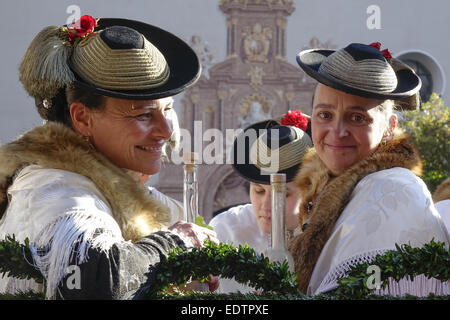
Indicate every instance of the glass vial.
{"type": "Point", "coordinates": [278, 250]}
{"type": "Point", "coordinates": [190, 187]}
{"type": "Point", "coordinates": [190, 203]}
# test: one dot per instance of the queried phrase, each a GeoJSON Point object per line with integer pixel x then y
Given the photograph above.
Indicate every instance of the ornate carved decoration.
{"type": "Point", "coordinates": [254, 108]}
{"type": "Point", "coordinates": [256, 43]}
{"type": "Point", "coordinates": [256, 77]}
{"type": "Point", "coordinates": [203, 52]}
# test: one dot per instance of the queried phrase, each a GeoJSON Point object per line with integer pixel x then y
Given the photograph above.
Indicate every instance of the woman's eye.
{"type": "Point", "coordinates": [359, 118]}
{"type": "Point", "coordinates": [324, 115]}
{"type": "Point", "coordinates": [167, 111]}
{"type": "Point", "coordinates": [143, 116]}
{"type": "Point", "coordinates": [259, 191]}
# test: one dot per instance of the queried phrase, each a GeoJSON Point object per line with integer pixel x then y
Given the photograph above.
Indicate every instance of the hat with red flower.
{"type": "Point", "coordinates": [272, 146]}
{"type": "Point", "coordinates": [119, 58]}
{"type": "Point", "coordinates": [363, 70]}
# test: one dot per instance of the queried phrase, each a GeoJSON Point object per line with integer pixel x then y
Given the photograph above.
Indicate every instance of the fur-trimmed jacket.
{"type": "Point", "coordinates": [365, 211]}
{"type": "Point", "coordinates": [77, 208]}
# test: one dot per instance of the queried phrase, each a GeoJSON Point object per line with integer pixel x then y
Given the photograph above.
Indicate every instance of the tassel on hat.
{"type": "Point", "coordinates": [44, 68]}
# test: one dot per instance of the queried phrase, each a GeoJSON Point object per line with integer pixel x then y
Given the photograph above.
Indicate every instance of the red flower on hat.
{"type": "Point", "coordinates": [82, 28]}
{"type": "Point", "coordinates": [376, 45]}
{"type": "Point", "coordinates": [386, 54]}
{"type": "Point", "coordinates": [295, 119]}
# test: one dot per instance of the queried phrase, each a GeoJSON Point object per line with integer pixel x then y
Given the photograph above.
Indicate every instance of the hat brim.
{"type": "Point", "coordinates": [185, 68]}
{"type": "Point", "coordinates": [408, 83]}
{"type": "Point", "coordinates": [249, 171]}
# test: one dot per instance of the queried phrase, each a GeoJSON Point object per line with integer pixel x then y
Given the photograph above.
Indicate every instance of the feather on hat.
{"type": "Point", "coordinates": [44, 69]}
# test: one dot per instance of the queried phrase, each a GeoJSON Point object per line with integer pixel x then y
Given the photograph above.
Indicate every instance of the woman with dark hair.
{"type": "Point", "coordinates": [360, 193]}
{"type": "Point", "coordinates": [75, 185]}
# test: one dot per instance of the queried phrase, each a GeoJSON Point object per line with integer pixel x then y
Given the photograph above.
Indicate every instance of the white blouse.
{"type": "Point", "coordinates": [443, 207]}
{"type": "Point", "coordinates": [386, 208]}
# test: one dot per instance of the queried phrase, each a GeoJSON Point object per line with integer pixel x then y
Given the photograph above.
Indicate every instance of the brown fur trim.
{"type": "Point", "coordinates": [314, 176]}
{"type": "Point", "coordinates": [330, 195]}
{"type": "Point", "coordinates": [56, 146]}
{"type": "Point", "coordinates": [442, 191]}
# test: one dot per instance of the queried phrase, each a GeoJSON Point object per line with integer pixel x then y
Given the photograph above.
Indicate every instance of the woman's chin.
{"type": "Point", "coordinates": [149, 169]}
{"type": "Point", "coordinates": [338, 167]}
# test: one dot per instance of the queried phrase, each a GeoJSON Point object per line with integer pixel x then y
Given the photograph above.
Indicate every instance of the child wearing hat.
{"type": "Point", "coordinates": [271, 146]}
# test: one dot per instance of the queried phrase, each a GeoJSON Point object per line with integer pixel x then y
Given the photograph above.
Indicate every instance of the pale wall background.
{"type": "Point", "coordinates": [415, 25]}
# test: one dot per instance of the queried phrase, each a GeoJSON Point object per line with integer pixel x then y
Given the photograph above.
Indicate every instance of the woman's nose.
{"type": "Point", "coordinates": [340, 128]}
{"type": "Point", "coordinates": [163, 127]}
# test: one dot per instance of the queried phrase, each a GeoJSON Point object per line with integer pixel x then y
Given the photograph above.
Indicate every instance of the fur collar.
{"type": "Point", "coordinates": [329, 196]}
{"type": "Point", "coordinates": [56, 146]}
{"type": "Point", "coordinates": [442, 191]}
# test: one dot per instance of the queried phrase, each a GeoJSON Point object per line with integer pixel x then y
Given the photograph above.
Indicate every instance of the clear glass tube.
{"type": "Point", "coordinates": [190, 204]}
{"type": "Point", "coordinates": [190, 188]}
{"type": "Point", "coordinates": [278, 250]}
{"type": "Point", "coordinates": [278, 209]}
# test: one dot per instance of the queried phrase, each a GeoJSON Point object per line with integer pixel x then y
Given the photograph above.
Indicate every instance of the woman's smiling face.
{"type": "Point", "coordinates": [131, 134]}
{"type": "Point", "coordinates": [345, 128]}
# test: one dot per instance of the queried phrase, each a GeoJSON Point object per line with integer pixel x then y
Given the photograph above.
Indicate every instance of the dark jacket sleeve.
{"type": "Point", "coordinates": [122, 272]}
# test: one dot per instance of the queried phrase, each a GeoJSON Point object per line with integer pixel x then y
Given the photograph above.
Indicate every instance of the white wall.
{"type": "Point", "coordinates": [405, 25]}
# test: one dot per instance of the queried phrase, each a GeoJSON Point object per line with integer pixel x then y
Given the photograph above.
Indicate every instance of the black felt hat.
{"type": "Point", "coordinates": [268, 147]}
{"type": "Point", "coordinates": [182, 63]}
{"type": "Point", "coordinates": [362, 70]}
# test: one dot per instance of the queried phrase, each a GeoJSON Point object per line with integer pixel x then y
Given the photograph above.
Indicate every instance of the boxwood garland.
{"type": "Point", "coordinates": [431, 260]}
{"type": "Point", "coordinates": [242, 263]}
{"type": "Point", "coordinates": [246, 266]}
{"type": "Point", "coordinates": [14, 258]}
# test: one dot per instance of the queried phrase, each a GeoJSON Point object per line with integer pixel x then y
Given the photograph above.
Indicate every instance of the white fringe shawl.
{"type": "Point", "coordinates": [70, 236]}
{"type": "Point", "coordinates": [420, 286]}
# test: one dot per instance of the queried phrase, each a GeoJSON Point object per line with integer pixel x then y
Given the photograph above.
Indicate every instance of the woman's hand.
{"type": "Point", "coordinates": [193, 234]}
{"type": "Point", "coordinates": [213, 283]}
{"type": "Point", "coordinates": [197, 285]}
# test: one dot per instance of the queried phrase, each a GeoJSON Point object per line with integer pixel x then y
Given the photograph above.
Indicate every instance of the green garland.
{"type": "Point", "coordinates": [242, 263]}
{"type": "Point", "coordinates": [14, 258]}
{"type": "Point", "coordinates": [432, 260]}
{"type": "Point", "coordinates": [247, 267]}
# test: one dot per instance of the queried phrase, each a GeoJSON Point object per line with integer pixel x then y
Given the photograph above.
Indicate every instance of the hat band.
{"type": "Point", "coordinates": [271, 161]}
{"type": "Point", "coordinates": [369, 74]}
{"type": "Point", "coordinates": [119, 69]}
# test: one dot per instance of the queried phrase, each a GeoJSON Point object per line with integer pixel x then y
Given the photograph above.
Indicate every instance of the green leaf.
{"type": "Point", "coordinates": [201, 222]}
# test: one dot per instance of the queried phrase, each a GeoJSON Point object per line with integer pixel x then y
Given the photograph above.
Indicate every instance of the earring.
{"type": "Point", "coordinates": [88, 141]}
